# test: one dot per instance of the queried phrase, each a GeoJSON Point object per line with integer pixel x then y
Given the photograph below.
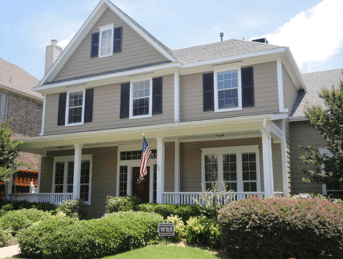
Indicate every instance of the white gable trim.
{"type": "Point", "coordinates": [86, 27]}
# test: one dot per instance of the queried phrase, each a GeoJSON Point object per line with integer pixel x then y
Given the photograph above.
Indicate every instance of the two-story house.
{"type": "Point", "coordinates": [215, 112]}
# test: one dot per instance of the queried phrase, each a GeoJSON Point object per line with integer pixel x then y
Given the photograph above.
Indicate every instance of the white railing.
{"type": "Point", "coordinates": [54, 198]}
{"type": "Point", "coordinates": [189, 197]}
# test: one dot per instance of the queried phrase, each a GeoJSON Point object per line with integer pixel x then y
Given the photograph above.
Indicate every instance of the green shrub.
{"type": "Point", "coordinates": [282, 228]}
{"type": "Point", "coordinates": [17, 220]}
{"type": "Point", "coordinates": [183, 211]}
{"type": "Point", "coordinates": [5, 237]}
{"type": "Point", "coordinates": [18, 205]}
{"type": "Point", "coordinates": [126, 203]}
{"type": "Point", "coordinates": [203, 231]}
{"type": "Point", "coordinates": [73, 208]}
{"type": "Point", "coordinates": [179, 227]}
{"type": "Point", "coordinates": [73, 238]}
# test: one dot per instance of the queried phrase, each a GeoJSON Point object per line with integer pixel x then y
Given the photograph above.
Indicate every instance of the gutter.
{"type": "Point", "coordinates": [298, 118]}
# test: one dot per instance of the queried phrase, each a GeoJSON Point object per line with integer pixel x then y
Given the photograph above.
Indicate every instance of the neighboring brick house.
{"type": "Point", "coordinates": [19, 103]}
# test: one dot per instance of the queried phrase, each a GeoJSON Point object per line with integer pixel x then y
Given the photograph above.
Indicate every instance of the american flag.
{"type": "Point", "coordinates": [146, 152]}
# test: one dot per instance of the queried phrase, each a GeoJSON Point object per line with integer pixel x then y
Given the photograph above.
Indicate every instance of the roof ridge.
{"type": "Point", "coordinates": [322, 71]}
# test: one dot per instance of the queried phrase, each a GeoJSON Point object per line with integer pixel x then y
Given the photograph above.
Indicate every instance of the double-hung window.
{"type": "Point", "coordinates": [140, 99]}
{"type": "Point", "coordinates": [63, 176]}
{"type": "Point", "coordinates": [237, 167]}
{"type": "Point", "coordinates": [227, 90]}
{"type": "Point", "coordinates": [106, 40]}
{"type": "Point", "coordinates": [75, 108]}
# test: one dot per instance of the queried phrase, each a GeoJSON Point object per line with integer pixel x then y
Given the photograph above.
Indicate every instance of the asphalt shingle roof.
{"type": "Point", "coordinates": [314, 83]}
{"type": "Point", "coordinates": [12, 76]}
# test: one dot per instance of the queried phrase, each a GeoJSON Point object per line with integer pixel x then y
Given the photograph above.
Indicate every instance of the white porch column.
{"type": "Point", "coordinates": [8, 188]}
{"type": "Point", "coordinates": [160, 169]}
{"type": "Point", "coordinates": [177, 166]}
{"type": "Point", "coordinates": [176, 97]}
{"type": "Point", "coordinates": [77, 171]}
{"type": "Point", "coordinates": [267, 164]}
{"type": "Point", "coordinates": [284, 161]}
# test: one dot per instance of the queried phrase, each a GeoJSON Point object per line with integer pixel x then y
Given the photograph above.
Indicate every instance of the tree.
{"type": "Point", "coordinates": [9, 152]}
{"type": "Point", "coordinates": [328, 121]}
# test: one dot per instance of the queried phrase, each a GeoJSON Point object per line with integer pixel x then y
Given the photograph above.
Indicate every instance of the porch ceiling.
{"type": "Point", "coordinates": [189, 131]}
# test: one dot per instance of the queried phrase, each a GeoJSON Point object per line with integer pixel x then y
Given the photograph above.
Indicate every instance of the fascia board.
{"type": "Point", "coordinates": [22, 93]}
{"type": "Point", "coordinates": [298, 118]}
{"type": "Point", "coordinates": [295, 67]}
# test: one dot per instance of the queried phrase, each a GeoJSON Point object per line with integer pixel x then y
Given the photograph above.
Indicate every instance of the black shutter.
{"type": "Point", "coordinates": [157, 95]}
{"type": "Point", "coordinates": [62, 109]}
{"type": "Point", "coordinates": [89, 105]}
{"type": "Point", "coordinates": [208, 92]}
{"type": "Point", "coordinates": [247, 87]}
{"type": "Point", "coordinates": [95, 45]}
{"type": "Point", "coordinates": [117, 39]}
{"type": "Point", "coordinates": [125, 101]}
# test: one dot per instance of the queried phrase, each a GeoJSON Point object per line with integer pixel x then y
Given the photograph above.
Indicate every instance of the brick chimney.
{"type": "Point", "coordinates": [52, 53]}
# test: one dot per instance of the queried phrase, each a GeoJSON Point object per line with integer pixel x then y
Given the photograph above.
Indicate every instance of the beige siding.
{"type": "Point", "coordinates": [135, 52]}
{"type": "Point", "coordinates": [169, 167]}
{"type": "Point", "coordinates": [190, 179]}
{"type": "Point", "coordinates": [266, 95]}
{"type": "Point", "coordinates": [277, 167]}
{"type": "Point", "coordinates": [289, 90]}
{"type": "Point", "coordinates": [303, 134]}
{"type": "Point", "coordinates": [106, 111]}
{"type": "Point", "coordinates": [104, 172]}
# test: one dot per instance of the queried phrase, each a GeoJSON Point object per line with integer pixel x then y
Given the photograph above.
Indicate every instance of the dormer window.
{"type": "Point", "coordinates": [106, 41]}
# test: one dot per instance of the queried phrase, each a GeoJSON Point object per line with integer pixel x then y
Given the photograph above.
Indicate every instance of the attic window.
{"type": "Point", "coordinates": [106, 41]}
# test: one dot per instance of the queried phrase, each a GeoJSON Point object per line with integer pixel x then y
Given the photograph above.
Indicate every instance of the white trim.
{"type": "Point", "coordinates": [238, 151]}
{"type": "Point", "coordinates": [176, 97]}
{"type": "Point", "coordinates": [43, 117]}
{"type": "Point", "coordinates": [4, 94]}
{"type": "Point", "coordinates": [177, 166]}
{"type": "Point", "coordinates": [67, 124]}
{"type": "Point", "coordinates": [295, 67]}
{"type": "Point", "coordinates": [39, 173]}
{"type": "Point", "coordinates": [267, 161]}
{"type": "Point", "coordinates": [131, 116]}
{"type": "Point", "coordinates": [298, 118]}
{"type": "Point", "coordinates": [67, 159]}
{"type": "Point", "coordinates": [279, 116]}
{"type": "Point", "coordinates": [160, 169]}
{"type": "Point", "coordinates": [108, 27]}
{"type": "Point", "coordinates": [280, 86]}
{"type": "Point", "coordinates": [227, 68]}
{"type": "Point", "coordinates": [285, 185]}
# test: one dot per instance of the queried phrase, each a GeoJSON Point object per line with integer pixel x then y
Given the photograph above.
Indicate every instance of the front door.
{"type": "Point", "coordinates": [140, 190]}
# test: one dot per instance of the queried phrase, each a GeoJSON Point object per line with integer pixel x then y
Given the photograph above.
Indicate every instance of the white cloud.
{"type": "Point", "coordinates": [314, 36]}
{"type": "Point", "coordinates": [63, 43]}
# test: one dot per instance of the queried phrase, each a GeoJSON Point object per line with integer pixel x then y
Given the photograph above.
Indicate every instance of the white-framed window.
{"type": "Point", "coordinates": [141, 98]}
{"type": "Point", "coordinates": [75, 109]}
{"type": "Point", "coordinates": [227, 89]}
{"type": "Point", "coordinates": [328, 188]}
{"type": "Point", "coordinates": [238, 167]}
{"type": "Point", "coordinates": [4, 106]}
{"type": "Point", "coordinates": [106, 40]}
{"type": "Point", "coordinates": [63, 176]}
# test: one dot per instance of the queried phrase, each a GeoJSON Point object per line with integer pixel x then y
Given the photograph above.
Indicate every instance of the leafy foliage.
{"type": "Point", "coordinates": [179, 227]}
{"type": "Point", "coordinates": [328, 121]}
{"type": "Point", "coordinates": [17, 205]}
{"type": "Point", "coordinates": [73, 208]}
{"type": "Point", "coordinates": [282, 228]}
{"type": "Point", "coordinates": [183, 211]}
{"type": "Point", "coordinates": [204, 231]}
{"type": "Point", "coordinates": [73, 238]}
{"type": "Point", "coordinates": [17, 220]}
{"type": "Point", "coordinates": [9, 152]}
{"type": "Point", "coordinates": [126, 203]}
{"type": "Point", "coordinates": [5, 237]}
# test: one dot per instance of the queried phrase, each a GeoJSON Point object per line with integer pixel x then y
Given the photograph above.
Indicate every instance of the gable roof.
{"type": "Point", "coordinates": [314, 83]}
{"type": "Point", "coordinates": [222, 49]}
{"type": "Point", "coordinates": [13, 78]}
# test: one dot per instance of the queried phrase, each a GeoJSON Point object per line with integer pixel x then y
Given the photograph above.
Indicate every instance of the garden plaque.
{"type": "Point", "coordinates": [166, 229]}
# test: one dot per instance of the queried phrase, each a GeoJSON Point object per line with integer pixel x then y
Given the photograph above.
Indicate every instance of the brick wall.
{"type": "Point", "coordinates": [27, 121]}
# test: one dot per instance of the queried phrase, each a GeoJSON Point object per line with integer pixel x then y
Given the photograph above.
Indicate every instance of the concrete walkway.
{"type": "Point", "coordinates": [9, 251]}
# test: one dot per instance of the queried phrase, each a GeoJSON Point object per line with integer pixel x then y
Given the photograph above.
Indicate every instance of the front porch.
{"type": "Point", "coordinates": [248, 155]}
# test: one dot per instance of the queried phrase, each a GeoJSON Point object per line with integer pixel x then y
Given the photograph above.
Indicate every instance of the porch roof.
{"type": "Point", "coordinates": [242, 125]}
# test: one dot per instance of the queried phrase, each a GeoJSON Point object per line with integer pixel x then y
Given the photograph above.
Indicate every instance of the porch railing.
{"type": "Point", "coordinates": [54, 198]}
{"type": "Point", "coordinates": [188, 197]}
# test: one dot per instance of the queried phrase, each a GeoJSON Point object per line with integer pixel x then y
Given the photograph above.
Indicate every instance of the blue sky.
{"type": "Point", "coordinates": [313, 29]}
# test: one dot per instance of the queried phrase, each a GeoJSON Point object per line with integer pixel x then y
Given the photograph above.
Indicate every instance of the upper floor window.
{"type": "Point", "coordinates": [75, 107]}
{"type": "Point", "coordinates": [227, 90]}
{"type": "Point", "coordinates": [141, 95]}
{"type": "Point", "coordinates": [106, 41]}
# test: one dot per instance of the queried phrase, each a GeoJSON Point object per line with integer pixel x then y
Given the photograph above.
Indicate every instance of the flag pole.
{"type": "Point", "coordinates": [152, 155]}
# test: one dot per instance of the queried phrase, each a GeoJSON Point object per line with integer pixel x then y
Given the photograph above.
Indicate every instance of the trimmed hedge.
{"type": "Point", "coordinates": [17, 220]}
{"type": "Point", "coordinates": [118, 203]}
{"type": "Point", "coordinates": [73, 208]}
{"type": "Point", "coordinates": [282, 228]}
{"type": "Point", "coordinates": [183, 211]}
{"type": "Point", "coordinates": [18, 205]}
{"type": "Point", "coordinates": [73, 238]}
